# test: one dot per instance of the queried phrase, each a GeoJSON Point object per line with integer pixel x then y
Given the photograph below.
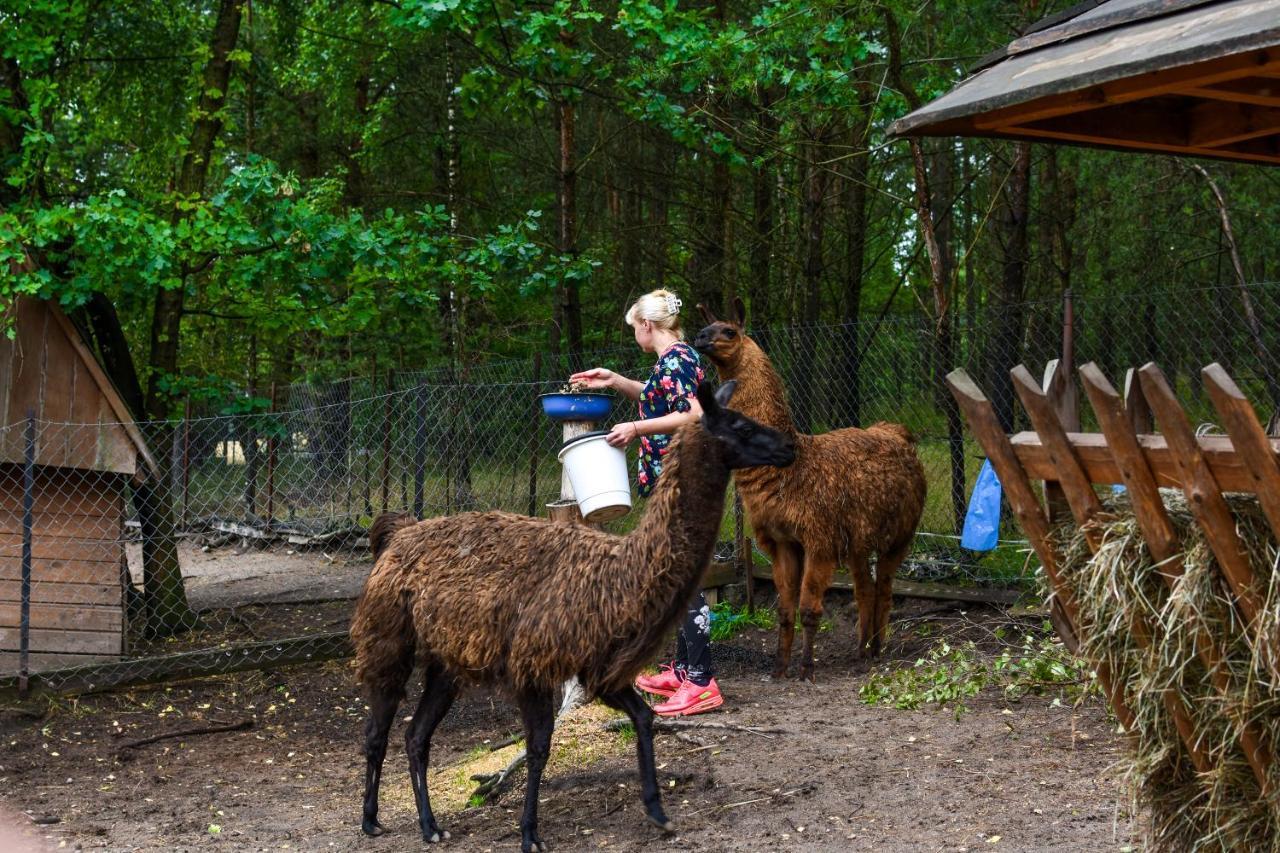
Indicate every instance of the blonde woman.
{"type": "Point", "coordinates": [665, 400]}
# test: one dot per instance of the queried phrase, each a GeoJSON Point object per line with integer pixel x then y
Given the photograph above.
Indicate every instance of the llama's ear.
{"type": "Point", "coordinates": [707, 317]}
{"type": "Point", "coordinates": [740, 312]}
{"type": "Point", "coordinates": [725, 393]}
{"type": "Point", "coordinates": [708, 399]}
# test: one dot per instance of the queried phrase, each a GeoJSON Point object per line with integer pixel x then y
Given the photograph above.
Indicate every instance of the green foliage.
{"type": "Point", "coordinates": [950, 674]}
{"type": "Point", "coordinates": [727, 620]}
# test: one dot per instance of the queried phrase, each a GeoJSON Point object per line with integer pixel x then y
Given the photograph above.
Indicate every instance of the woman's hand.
{"type": "Point", "coordinates": [623, 434]}
{"type": "Point", "coordinates": [596, 377]}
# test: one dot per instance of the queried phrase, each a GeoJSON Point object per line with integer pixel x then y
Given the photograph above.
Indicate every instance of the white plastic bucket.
{"type": "Point", "coordinates": [598, 474]}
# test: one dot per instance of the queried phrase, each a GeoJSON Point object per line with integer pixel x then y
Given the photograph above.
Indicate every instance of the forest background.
{"type": "Point", "coordinates": [231, 195]}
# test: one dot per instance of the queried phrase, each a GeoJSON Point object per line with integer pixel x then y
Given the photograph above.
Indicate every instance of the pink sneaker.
{"type": "Point", "coordinates": [691, 699]}
{"type": "Point", "coordinates": [665, 683]}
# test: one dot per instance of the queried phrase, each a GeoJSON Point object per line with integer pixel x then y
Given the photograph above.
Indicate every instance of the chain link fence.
{"type": "Point", "coordinates": [238, 540]}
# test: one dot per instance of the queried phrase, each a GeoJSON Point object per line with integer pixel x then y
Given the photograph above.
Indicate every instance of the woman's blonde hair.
{"type": "Point", "coordinates": [660, 307]}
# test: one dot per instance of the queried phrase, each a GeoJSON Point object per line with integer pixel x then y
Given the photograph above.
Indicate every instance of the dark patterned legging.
{"type": "Point", "coordinates": [693, 643]}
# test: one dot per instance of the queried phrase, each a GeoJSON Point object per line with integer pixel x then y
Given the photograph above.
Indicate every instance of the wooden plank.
{"type": "Point", "coordinates": [63, 549]}
{"type": "Point", "coordinates": [1250, 440]}
{"type": "Point", "coordinates": [1162, 541]}
{"type": "Point", "coordinates": [1086, 508]}
{"type": "Point", "coordinates": [1129, 89]}
{"type": "Point", "coordinates": [1246, 152]}
{"type": "Point", "coordinates": [62, 491]}
{"type": "Point", "coordinates": [62, 571]}
{"type": "Point", "coordinates": [65, 642]}
{"type": "Point", "coordinates": [64, 617]}
{"type": "Point", "coordinates": [1054, 387]}
{"type": "Point", "coordinates": [85, 594]}
{"type": "Point", "coordinates": [720, 574]}
{"type": "Point", "coordinates": [64, 525]}
{"type": "Point", "coordinates": [1259, 91]}
{"type": "Point", "coordinates": [1214, 124]}
{"type": "Point", "coordinates": [44, 662]}
{"type": "Point", "coordinates": [1224, 463]}
{"type": "Point", "coordinates": [986, 427]}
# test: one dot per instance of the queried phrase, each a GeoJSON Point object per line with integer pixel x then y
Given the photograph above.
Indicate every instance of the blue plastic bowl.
{"type": "Point", "coordinates": [576, 407]}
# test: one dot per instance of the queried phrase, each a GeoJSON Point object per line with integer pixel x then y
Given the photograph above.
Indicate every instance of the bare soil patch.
{"type": "Point", "coordinates": [839, 775]}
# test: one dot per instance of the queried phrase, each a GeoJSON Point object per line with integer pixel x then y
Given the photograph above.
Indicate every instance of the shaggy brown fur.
{"type": "Point", "coordinates": [384, 527]}
{"type": "Point", "coordinates": [524, 603]}
{"type": "Point", "coordinates": [851, 492]}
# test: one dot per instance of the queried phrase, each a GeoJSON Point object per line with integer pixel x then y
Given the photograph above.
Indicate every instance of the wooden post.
{"type": "Point", "coordinates": [186, 457]}
{"type": "Point", "coordinates": [1054, 385]}
{"type": "Point", "coordinates": [533, 436]}
{"type": "Point", "coordinates": [1144, 495]}
{"type": "Point", "coordinates": [1249, 438]}
{"type": "Point", "coordinates": [1135, 404]}
{"type": "Point", "coordinates": [986, 427]}
{"type": "Point", "coordinates": [272, 441]}
{"type": "Point", "coordinates": [419, 449]}
{"type": "Point", "coordinates": [386, 437]}
{"type": "Point", "coordinates": [1086, 508]}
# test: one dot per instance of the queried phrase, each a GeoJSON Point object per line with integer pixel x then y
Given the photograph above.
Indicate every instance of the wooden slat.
{"type": "Point", "coordinates": [913, 589]}
{"type": "Point", "coordinates": [1249, 151]}
{"type": "Point", "coordinates": [65, 642]}
{"type": "Point", "coordinates": [1225, 465]}
{"type": "Point", "coordinates": [62, 571]}
{"type": "Point", "coordinates": [1086, 508]}
{"type": "Point", "coordinates": [64, 525]}
{"type": "Point", "coordinates": [66, 593]}
{"type": "Point", "coordinates": [62, 549]}
{"type": "Point", "coordinates": [1250, 440]}
{"type": "Point", "coordinates": [64, 617]}
{"type": "Point", "coordinates": [62, 491]}
{"type": "Point", "coordinates": [986, 427]}
{"type": "Point", "coordinates": [1162, 541]}
{"type": "Point", "coordinates": [1204, 497]}
{"type": "Point", "coordinates": [1214, 124]}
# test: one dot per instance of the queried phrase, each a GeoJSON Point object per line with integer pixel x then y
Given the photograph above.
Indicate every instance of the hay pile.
{"type": "Point", "coordinates": [1223, 809]}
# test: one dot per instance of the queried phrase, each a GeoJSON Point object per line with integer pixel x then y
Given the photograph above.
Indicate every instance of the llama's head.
{"type": "Point", "coordinates": [721, 340]}
{"type": "Point", "coordinates": [746, 443]}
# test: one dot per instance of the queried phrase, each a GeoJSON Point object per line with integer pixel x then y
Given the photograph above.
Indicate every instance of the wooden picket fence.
{"type": "Point", "coordinates": [1128, 451]}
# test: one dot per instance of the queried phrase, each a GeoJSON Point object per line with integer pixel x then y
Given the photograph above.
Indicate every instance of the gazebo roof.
{"type": "Point", "coordinates": [1196, 77]}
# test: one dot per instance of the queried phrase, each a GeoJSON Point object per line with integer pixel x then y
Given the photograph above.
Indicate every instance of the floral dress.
{"type": "Point", "coordinates": [675, 378]}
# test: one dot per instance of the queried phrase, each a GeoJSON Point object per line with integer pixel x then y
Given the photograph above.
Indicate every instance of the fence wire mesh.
{"type": "Point", "coordinates": [238, 540]}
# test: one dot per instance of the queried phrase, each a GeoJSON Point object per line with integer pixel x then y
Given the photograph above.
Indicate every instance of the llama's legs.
{"type": "Point", "coordinates": [886, 568]}
{"type": "Point", "coordinates": [642, 718]}
{"type": "Point", "coordinates": [864, 595]}
{"type": "Point", "coordinates": [817, 577]}
{"type": "Point", "coordinates": [787, 565]}
{"type": "Point", "coordinates": [538, 711]}
{"type": "Point", "coordinates": [438, 691]}
{"type": "Point", "coordinates": [382, 711]}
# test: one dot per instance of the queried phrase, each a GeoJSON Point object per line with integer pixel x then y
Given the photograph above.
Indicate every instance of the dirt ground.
{"type": "Point", "coordinates": [836, 774]}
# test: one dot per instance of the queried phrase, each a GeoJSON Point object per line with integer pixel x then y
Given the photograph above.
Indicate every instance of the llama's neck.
{"type": "Point", "coordinates": [661, 562]}
{"type": "Point", "coordinates": [760, 395]}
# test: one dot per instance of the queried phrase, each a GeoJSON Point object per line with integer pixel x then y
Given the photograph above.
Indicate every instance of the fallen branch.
{"type": "Point", "coordinates": [672, 725]}
{"type": "Point", "coordinates": [207, 730]}
{"type": "Point", "coordinates": [492, 784]}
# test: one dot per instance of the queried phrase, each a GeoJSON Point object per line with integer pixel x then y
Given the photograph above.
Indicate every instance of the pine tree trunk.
{"type": "Point", "coordinates": [1010, 291]}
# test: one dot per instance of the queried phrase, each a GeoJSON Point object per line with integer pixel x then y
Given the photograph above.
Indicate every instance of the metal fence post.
{"type": "Point", "coordinates": [419, 448]}
{"type": "Point", "coordinates": [28, 508]}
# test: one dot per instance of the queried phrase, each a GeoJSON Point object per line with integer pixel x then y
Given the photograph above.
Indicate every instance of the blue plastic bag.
{"type": "Point", "coordinates": [982, 521]}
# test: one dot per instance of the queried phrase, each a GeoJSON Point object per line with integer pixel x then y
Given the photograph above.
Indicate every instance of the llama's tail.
{"type": "Point", "coordinates": [383, 636]}
{"type": "Point", "coordinates": [382, 529]}
{"type": "Point", "coordinates": [894, 429]}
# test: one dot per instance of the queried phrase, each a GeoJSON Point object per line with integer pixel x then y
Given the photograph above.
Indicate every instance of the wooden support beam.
{"type": "Point", "coordinates": [1086, 508]}
{"type": "Point", "coordinates": [1204, 497]}
{"type": "Point", "coordinates": [1162, 541]}
{"type": "Point", "coordinates": [1055, 379]}
{"type": "Point", "coordinates": [1250, 151]}
{"type": "Point", "coordinates": [1225, 464]}
{"type": "Point", "coordinates": [986, 427]}
{"type": "Point", "coordinates": [1213, 124]}
{"type": "Point", "coordinates": [1129, 89]}
{"type": "Point", "coordinates": [1259, 91]}
{"type": "Point", "coordinates": [1135, 405]}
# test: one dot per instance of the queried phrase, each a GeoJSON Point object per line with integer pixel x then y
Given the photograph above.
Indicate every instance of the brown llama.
{"type": "Point", "coordinates": [526, 604]}
{"type": "Point", "coordinates": [851, 492]}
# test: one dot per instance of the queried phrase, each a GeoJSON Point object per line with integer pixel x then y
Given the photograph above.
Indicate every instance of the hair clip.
{"type": "Point", "coordinates": [673, 304]}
